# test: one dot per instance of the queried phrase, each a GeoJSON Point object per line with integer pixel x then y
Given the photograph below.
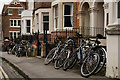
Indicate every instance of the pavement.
{"type": "Point", "coordinates": [35, 68]}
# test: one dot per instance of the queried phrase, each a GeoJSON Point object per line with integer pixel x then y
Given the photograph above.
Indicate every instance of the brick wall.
{"type": "Point", "coordinates": [41, 37]}
{"type": "Point", "coordinates": [75, 20]}
{"type": "Point", "coordinates": [6, 18]}
{"type": "Point", "coordinates": [42, 5]}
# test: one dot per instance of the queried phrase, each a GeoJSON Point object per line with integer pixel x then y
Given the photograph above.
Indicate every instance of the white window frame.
{"type": "Point", "coordinates": [55, 28]}
{"type": "Point", "coordinates": [16, 23]}
{"type": "Point", "coordinates": [13, 34]}
{"type": "Point", "coordinates": [9, 11]}
{"type": "Point", "coordinates": [71, 4]}
{"type": "Point", "coordinates": [47, 13]}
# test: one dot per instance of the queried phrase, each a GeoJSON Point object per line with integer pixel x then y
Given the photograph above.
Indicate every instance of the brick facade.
{"type": "Point", "coordinates": [75, 20]}
{"type": "Point", "coordinates": [6, 17]}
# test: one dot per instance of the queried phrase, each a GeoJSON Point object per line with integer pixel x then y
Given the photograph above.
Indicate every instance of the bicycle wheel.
{"type": "Point", "coordinates": [90, 64]}
{"type": "Point", "coordinates": [61, 58]}
{"type": "Point", "coordinates": [50, 56]}
{"type": "Point", "coordinates": [102, 53]}
{"type": "Point", "coordinates": [70, 61]}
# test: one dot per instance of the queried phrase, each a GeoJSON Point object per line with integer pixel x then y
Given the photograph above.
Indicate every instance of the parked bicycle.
{"type": "Point", "coordinates": [90, 55]}
{"type": "Point", "coordinates": [53, 54]}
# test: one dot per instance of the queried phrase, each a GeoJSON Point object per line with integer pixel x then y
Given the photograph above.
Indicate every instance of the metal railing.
{"type": "Point", "coordinates": [92, 31]}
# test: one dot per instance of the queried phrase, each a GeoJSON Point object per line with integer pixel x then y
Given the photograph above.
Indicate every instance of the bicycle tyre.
{"type": "Point", "coordinates": [102, 59]}
{"type": "Point", "coordinates": [60, 60]}
{"type": "Point", "coordinates": [72, 56]}
{"type": "Point", "coordinates": [50, 56]}
{"type": "Point", "coordinates": [84, 66]}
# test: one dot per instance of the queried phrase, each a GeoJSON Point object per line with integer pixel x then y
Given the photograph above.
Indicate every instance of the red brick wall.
{"type": "Point", "coordinates": [41, 37]}
{"type": "Point", "coordinates": [75, 20]}
{"type": "Point", "coordinates": [42, 5]}
{"type": "Point", "coordinates": [6, 21]}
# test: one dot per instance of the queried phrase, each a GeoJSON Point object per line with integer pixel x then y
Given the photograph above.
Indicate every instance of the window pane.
{"type": "Point", "coordinates": [11, 35]}
{"type": "Point", "coordinates": [56, 17]}
{"type": "Point", "coordinates": [28, 29]}
{"type": "Point", "coordinates": [67, 10]}
{"type": "Point", "coordinates": [28, 22]}
{"type": "Point", "coordinates": [56, 11]}
{"type": "Point", "coordinates": [37, 17]}
{"type": "Point", "coordinates": [18, 33]}
{"type": "Point", "coordinates": [15, 23]}
{"type": "Point", "coordinates": [19, 22]}
{"type": "Point", "coordinates": [11, 22]}
{"type": "Point", "coordinates": [46, 26]}
{"type": "Point", "coordinates": [10, 11]}
{"type": "Point", "coordinates": [45, 18]}
{"type": "Point", "coordinates": [46, 21]}
{"type": "Point", "coordinates": [56, 22]}
{"type": "Point", "coordinates": [14, 34]}
{"type": "Point", "coordinates": [20, 11]}
{"type": "Point", "coordinates": [68, 21]}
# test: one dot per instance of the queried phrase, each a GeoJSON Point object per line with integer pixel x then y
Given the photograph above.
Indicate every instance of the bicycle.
{"type": "Point", "coordinates": [52, 55]}
{"type": "Point", "coordinates": [64, 53]}
{"type": "Point", "coordinates": [84, 54]}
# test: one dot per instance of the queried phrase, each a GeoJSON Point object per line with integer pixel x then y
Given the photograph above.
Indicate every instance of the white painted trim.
{"type": "Point", "coordinates": [14, 31]}
{"type": "Point", "coordinates": [10, 14]}
{"type": "Point", "coordinates": [14, 19]}
{"type": "Point", "coordinates": [16, 7]}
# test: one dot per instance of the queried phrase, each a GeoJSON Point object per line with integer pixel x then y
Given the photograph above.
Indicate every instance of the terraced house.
{"type": "Point", "coordinates": [88, 17]}
{"type": "Point", "coordinates": [11, 17]}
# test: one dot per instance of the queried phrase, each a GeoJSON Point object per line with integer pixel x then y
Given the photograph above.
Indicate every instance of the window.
{"type": "Point", "coordinates": [14, 34]}
{"type": "Point", "coordinates": [18, 33]}
{"type": "Point", "coordinates": [11, 22]}
{"type": "Point", "coordinates": [20, 11]}
{"type": "Point", "coordinates": [19, 22]}
{"type": "Point", "coordinates": [15, 23]}
{"type": "Point", "coordinates": [56, 17]}
{"type": "Point", "coordinates": [28, 26]}
{"type": "Point", "coordinates": [46, 21]}
{"type": "Point", "coordinates": [68, 14]}
{"type": "Point", "coordinates": [11, 37]}
{"type": "Point", "coordinates": [10, 11]}
{"type": "Point", "coordinates": [119, 9]}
